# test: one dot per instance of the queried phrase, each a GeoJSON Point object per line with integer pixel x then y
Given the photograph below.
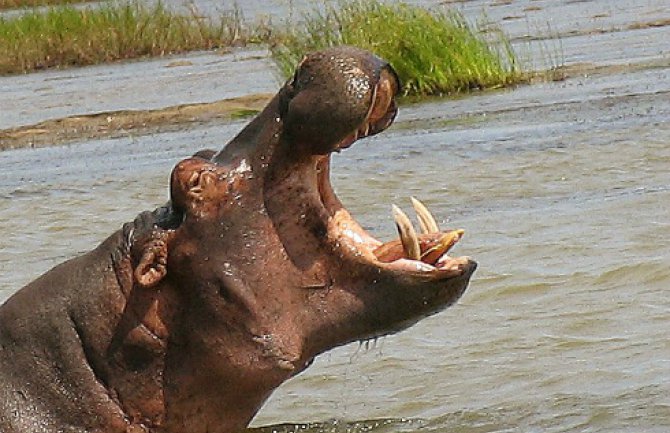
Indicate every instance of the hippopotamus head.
{"type": "Point", "coordinates": [265, 268]}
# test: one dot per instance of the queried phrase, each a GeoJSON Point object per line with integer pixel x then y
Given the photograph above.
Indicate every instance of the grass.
{"type": "Point", "coordinates": [434, 53]}
{"type": "Point", "coordinates": [15, 4]}
{"type": "Point", "coordinates": [63, 36]}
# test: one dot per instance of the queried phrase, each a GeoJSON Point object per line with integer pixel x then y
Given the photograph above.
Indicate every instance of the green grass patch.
{"type": "Point", "coordinates": [243, 113]}
{"type": "Point", "coordinates": [63, 36]}
{"type": "Point", "coordinates": [15, 4]}
{"type": "Point", "coordinates": [434, 53]}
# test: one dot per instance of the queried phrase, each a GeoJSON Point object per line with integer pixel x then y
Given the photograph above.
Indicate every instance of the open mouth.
{"type": "Point", "coordinates": [424, 253]}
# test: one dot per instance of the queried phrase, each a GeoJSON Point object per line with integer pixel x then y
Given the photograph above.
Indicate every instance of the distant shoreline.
{"type": "Point", "coordinates": [113, 124]}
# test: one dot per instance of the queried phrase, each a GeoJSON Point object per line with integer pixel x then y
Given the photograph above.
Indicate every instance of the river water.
{"type": "Point", "coordinates": [564, 192]}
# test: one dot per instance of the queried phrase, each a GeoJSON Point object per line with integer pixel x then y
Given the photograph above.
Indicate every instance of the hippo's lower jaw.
{"type": "Point", "coordinates": [375, 288]}
{"type": "Point", "coordinates": [343, 230]}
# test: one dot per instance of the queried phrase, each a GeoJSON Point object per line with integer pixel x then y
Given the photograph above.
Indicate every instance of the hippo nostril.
{"type": "Point", "coordinates": [383, 96]}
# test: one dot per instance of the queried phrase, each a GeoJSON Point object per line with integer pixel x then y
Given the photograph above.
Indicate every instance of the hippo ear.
{"type": "Point", "coordinates": [152, 265]}
{"type": "Point", "coordinates": [146, 244]}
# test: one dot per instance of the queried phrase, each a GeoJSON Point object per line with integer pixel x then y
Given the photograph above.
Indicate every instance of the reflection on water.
{"type": "Point", "coordinates": [337, 426]}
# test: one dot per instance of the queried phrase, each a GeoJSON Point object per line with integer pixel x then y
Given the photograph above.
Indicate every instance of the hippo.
{"type": "Point", "coordinates": [187, 318]}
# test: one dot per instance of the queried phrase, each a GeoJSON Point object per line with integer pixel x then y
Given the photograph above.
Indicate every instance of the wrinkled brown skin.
{"type": "Point", "coordinates": [188, 318]}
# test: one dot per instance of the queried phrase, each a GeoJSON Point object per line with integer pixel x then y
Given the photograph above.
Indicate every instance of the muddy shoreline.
{"type": "Point", "coordinates": [129, 122]}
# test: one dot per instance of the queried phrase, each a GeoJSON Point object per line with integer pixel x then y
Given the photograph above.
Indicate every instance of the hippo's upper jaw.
{"type": "Point", "coordinates": [270, 268]}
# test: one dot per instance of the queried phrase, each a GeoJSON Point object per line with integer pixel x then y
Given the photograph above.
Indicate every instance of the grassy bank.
{"type": "Point", "coordinates": [14, 4]}
{"type": "Point", "coordinates": [433, 52]}
{"type": "Point", "coordinates": [66, 35]}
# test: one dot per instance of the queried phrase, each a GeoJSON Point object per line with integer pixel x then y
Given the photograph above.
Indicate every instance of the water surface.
{"type": "Point", "coordinates": [563, 190]}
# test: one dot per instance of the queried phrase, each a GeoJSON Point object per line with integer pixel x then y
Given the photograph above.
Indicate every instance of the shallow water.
{"type": "Point", "coordinates": [563, 190]}
{"type": "Point", "coordinates": [156, 83]}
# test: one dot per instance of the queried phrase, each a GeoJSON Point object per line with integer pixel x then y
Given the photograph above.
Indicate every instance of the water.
{"type": "Point", "coordinates": [595, 32]}
{"type": "Point", "coordinates": [156, 83]}
{"type": "Point", "coordinates": [564, 192]}
{"type": "Point", "coordinates": [565, 206]}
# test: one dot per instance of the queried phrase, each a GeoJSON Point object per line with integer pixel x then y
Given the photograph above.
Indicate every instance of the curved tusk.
{"type": "Point", "coordinates": [426, 219]}
{"type": "Point", "coordinates": [408, 238]}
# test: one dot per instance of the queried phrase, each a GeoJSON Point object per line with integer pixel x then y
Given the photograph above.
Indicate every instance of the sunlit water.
{"type": "Point", "coordinates": [563, 190]}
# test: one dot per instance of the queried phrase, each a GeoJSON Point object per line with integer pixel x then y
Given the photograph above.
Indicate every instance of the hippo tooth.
{"type": "Point", "coordinates": [410, 242]}
{"type": "Point", "coordinates": [426, 219]}
{"type": "Point", "coordinates": [444, 244]}
{"type": "Point", "coordinates": [421, 266]}
{"type": "Point", "coordinates": [444, 260]}
{"type": "Point", "coordinates": [450, 263]}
